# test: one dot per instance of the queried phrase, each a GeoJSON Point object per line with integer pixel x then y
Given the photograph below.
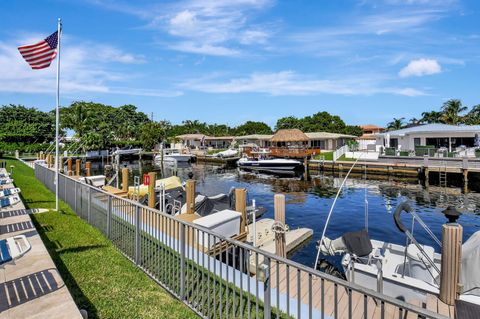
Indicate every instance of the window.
{"type": "Point", "coordinates": [394, 142]}
{"type": "Point", "coordinates": [417, 141]}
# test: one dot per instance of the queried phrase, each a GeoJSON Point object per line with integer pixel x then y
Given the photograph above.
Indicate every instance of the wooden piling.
{"type": "Point", "coordinates": [280, 244]}
{"type": "Point", "coordinates": [69, 167]}
{"type": "Point", "coordinates": [465, 180]}
{"type": "Point", "coordinates": [451, 261]}
{"type": "Point", "coordinates": [241, 207]}
{"type": "Point", "coordinates": [88, 168]}
{"type": "Point", "coordinates": [190, 196]}
{"type": "Point", "coordinates": [77, 167]}
{"type": "Point", "coordinates": [152, 198]}
{"type": "Point", "coordinates": [125, 179]}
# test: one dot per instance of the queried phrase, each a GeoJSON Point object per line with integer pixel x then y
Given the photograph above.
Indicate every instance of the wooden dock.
{"type": "Point", "coordinates": [308, 289]}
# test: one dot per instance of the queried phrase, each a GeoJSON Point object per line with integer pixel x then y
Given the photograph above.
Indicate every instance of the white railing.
{"type": "Point", "coordinates": [339, 152]}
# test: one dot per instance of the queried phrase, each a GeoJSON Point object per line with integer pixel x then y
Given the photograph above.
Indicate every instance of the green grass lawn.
{"type": "Point", "coordinates": [100, 279]}
{"type": "Point", "coordinates": [328, 156]}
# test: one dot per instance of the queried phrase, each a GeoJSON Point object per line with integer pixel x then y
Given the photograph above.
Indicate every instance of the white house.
{"type": "Point", "coordinates": [437, 135]}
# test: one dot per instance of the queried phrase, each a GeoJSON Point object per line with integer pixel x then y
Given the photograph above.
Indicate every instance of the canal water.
{"type": "Point", "coordinates": [308, 203]}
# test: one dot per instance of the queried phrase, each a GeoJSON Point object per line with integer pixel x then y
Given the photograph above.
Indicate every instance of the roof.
{"type": "Point", "coordinates": [324, 135]}
{"type": "Point", "coordinates": [216, 138]}
{"type": "Point", "coordinates": [372, 127]}
{"type": "Point", "coordinates": [290, 135]}
{"type": "Point", "coordinates": [191, 136]}
{"type": "Point", "coordinates": [434, 128]}
{"type": "Point", "coordinates": [254, 137]}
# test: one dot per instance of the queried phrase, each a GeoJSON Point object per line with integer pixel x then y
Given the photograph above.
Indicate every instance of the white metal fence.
{"type": "Point", "coordinates": [212, 274]}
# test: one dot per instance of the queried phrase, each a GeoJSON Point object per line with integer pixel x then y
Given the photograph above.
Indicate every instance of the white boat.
{"type": "Point", "coordinates": [226, 154]}
{"type": "Point", "coordinates": [169, 155]}
{"type": "Point", "coordinates": [131, 151]}
{"type": "Point", "coordinates": [96, 180]}
{"type": "Point", "coordinates": [270, 165]}
{"type": "Point", "coordinates": [408, 273]}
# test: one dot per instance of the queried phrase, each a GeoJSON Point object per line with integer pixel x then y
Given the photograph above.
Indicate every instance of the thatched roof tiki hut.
{"type": "Point", "coordinates": [290, 143]}
{"type": "Point", "coordinates": [290, 138]}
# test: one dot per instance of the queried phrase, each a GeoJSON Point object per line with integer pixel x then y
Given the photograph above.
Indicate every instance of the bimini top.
{"type": "Point", "coordinates": [435, 128]}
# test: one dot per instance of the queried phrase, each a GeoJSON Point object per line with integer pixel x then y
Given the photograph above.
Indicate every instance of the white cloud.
{"type": "Point", "coordinates": [207, 27]}
{"type": "Point", "coordinates": [290, 83]}
{"type": "Point", "coordinates": [420, 67]}
{"type": "Point", "coordinates": [85, 68]}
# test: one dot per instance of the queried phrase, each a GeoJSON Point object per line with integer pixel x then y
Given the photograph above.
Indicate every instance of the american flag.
{"type": "Point", "coordinates": [40, 55]}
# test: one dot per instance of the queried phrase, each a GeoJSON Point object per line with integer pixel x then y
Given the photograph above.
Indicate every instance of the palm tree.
{"type": "Point", "coordinates": [413, 122]}
{"type": "Point", "coordinates": [473, 117]}
{"type": "Point", "coordinates": [396, 124]}
{"type": "Point", "coordinates": [77, 119]}
{"type": "Point", "coordinates": [431, 117]}
{"type": "Point", "coordinates": [451, 111]}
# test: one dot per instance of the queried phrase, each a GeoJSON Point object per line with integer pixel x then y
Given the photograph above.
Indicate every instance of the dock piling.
{"type": "Point", "coordinates": [190, 190]}
{"type": "Point", "coordinates": [151, 189]}
{"type": "Point", "coordinates": [88, 168]}
{"type": "Point", "coordinates": [125, 179]}
{"type": "Point", "coordinates": [279, 206]}
{"type": "Point", "coordinates": [77, 167]}
{"type": "Point", "coordinates": [69, 167]}
{"type": "Point", "coordinates": [451, 261]}
{"type": "Point", "coordinates": [241, 207]}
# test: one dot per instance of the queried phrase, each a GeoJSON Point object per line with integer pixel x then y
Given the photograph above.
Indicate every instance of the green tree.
{"type": "Point", "coordinates": [396, 124]}
{"type": "Point", "coordinates": [452, 110]}
{"type": "Point", "coordinates": [431, 117]}
{"type": "Point", "coordinates": [26, 125]}
{"type": "Point", "coordinates": [288, 122]}
{"type": "Point", "coordinates": [152, 133]}
{"type": "Point", "coordinates": [473, 117]}
{"type": "Point", "coordinates": [252, 127]}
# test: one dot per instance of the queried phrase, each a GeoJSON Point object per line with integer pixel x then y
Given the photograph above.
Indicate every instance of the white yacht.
{"type": "Point", "coordinates": [173, 155]}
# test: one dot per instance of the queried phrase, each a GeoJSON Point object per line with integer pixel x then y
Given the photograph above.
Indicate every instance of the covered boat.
{"type": "Point", "coordinates": [408, 272]}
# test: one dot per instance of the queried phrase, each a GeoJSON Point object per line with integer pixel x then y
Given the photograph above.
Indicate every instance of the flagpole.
{"type": "Point", "coordinates": [57, 114]}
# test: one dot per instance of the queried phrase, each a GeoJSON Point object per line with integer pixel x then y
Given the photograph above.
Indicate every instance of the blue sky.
{"type": "Point", "coordinates": [231, 61]}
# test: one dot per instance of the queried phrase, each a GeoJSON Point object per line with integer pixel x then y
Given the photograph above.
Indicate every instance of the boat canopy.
{"type": "Point", "coordinates": [469, 273]}
{"type": "Point", "coordinates": [169, 183]}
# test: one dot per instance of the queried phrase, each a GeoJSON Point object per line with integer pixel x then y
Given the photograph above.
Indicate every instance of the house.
{"type": "Point", "coordinates": [327, 140]}
{"type": "Point", "coordinates": [192, 141]}
{"type": "Point", "coordinates": [218, 142]}
{"type": "Point", "coordinates": [437, 136]}
{"type": "Point", "coordinates": [368, 140]}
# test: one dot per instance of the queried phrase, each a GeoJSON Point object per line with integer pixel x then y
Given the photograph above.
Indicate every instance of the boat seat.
{"type": "Point", "coordinates": [358, 243]}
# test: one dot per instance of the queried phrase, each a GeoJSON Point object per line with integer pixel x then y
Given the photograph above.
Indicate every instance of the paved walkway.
{"type": "Point", "coordinates": [31, 286]}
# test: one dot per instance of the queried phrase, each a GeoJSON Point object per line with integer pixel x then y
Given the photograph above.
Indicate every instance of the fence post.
{"type": "Point", "coordinates": [182, 261]}
{"type": "Point", "coordinates": [75, 191]}
{"type": "Point", "coordinates": [137, 235]}
{"type": "Point", "coordinates": [89, 207]}
{"type": "Point", "coordinates": [109, 216]}
{"type": "Point", "coordinates": [266, 290]}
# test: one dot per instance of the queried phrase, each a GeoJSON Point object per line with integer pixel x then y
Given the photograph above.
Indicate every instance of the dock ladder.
{"type": "Point", "coordinates": [442, 174]}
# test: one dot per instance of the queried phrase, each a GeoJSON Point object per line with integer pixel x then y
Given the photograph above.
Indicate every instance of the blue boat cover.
{"type": "Point", "coordinates": [4, 254]}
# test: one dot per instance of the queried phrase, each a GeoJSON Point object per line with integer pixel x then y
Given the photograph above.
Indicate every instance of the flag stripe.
{"type": "Point", "coordinates": [41, 54]}
{"type": "Point", "coordinates": [37, 47]}
{"type": "Point", "coordinates": [39, 57]}
{"type": "Point", "coordinates": [30, 46]}
{"type": "Point", "coordinates": [39, 50]}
